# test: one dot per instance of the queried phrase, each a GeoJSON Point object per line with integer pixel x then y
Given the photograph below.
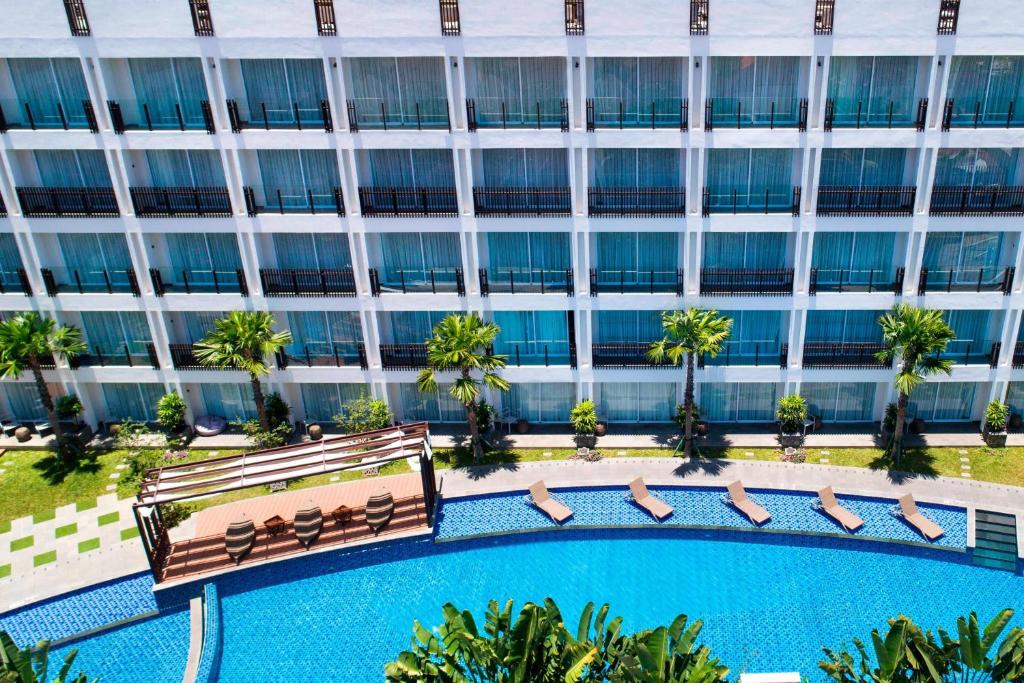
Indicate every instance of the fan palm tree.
{"type": "Point", "coordinates": [26, 340]}
{"type": "Point", "coordinates": [31, 665]}
{"type": "Point", "coordinates": [242, 340]}
{"type": "Point", "coordinates": [688, 333]}
{"type": "Point", "coordinates": [914, 338]}
{"type": "Point", "coordinates": [461, 344]}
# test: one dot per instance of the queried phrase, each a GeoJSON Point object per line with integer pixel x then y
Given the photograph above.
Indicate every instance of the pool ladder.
{"type": "Point", "coordinates": [995, 540]}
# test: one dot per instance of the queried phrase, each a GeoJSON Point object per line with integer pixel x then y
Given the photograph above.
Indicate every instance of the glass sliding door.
{"type": "Point", "coordinates": [205, 262]}
{"type": "Point", "coordinates": [419, 261]}
{"type": "Point", "coordinates": [132, 401]}
{"type": "Point", "coordinates": [986, 91]}
{"type": "Point", "coordinates": [637, 91]}
{"type": "Point", "coordinates": [438, 406]}
{"type": "Point", "coordinates": [50, 93]}
{"type": "Point", "coordinates": [117, 337]}
{"type": "Point", "coordinates": [636, 402]}
{"type": "Point", "coordinates": [284, 93]}
{"type": "Point", "coordinates": [756, 339]}
{"type": "Point", "coordinates": [976, 331]}
{"type": "Point", "coordinates": [540, 402]}
{"type": "Point", "coordinates": [840, 401]}
{"type": "Point", "coordinates": [754, 91]}
{"type": "Point", "coordinates": [873, 91]}
{"type": "Point", "coordinates": [637, 262]}
{"type": "Point", "coordinates": [516, 92]}
{"type": "Point", "coordinates": [843, 327]}
{"type": "Point", "coordinates": [24, 402]}
{"type": "Point", "coordinates": [93, 262]}
{"type": "Point", "coordinates": [856, 261]}
{"type": "Point", "coordinates": [324, 338]}
{"type": "Point", "coordinates": [738, 402]}
{"type": "Point", "coordinates": [321, 402]}
{"type": "Point", "coordinates": [533, 337]}
{"type": "Point", "coordinates": [169, 94]}
{"type": "Point", "coordinates": [749, 180]}
{"type": "Point", "coordinates": [317, 251]}
{"type": "Point", "coordinates": [298, 181]}
{"type": "Point", "coordinates": [398, 92]}
{"type": "Point", "coordinates": [233, 402]}
{"type": "Point", "coordinates": [410, 327]}
{"type": "Point", "coordinates": [860, 168]}
{"type": "Point", "coordinates": [942, 401]}
{"type": "Point", "coordinates": [10, 263]}
{"type": "Point", "coordinates": [963, 260]}
{"type": "Point", "coordinates": [528, 262]}
{"type": "Point", "coordinates": [72, 168]}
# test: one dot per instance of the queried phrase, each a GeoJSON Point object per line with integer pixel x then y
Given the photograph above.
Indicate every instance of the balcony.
{"type": "Point", "coordinates": [408, 201]}
{"type": "Point", "coordinates": [741, 200]}
{"type": "Point", "coordinates": [202, 19]}
{"type": "Point", "coordinates": [21, 114]}
{"type": "Point", "coordinates": [851, 280]}
{"type": "Point", "coordinates": [99, 281]}
{"type": "Point", "coordinates": [326, 23]}
{"type": "Point", "coordinates": [15, 282]}
{"type": "Point", "coordinates": [68, 202]}
{"type": "Point", "coordinates": [141, 115]}
{"type": "Point", "coordinates": [270, 116]}
{"type": "Point", "coordinates": [539, 354]}
{"type": "Point", "coordinates": [971, 352]}
{"type": "Point", "coordinates": [748, 353]}
{"type": "Point", "coordinates": [622, 281]}
{"type": "Point", "coordinates": [977, 114]}
{"type": "Point", "coordinates": [699, 15]}
{"type": "Point", "coordinates": [491, 112]}
{"type": "Point", "coordinates": [78, 22]}
{"type": "Point", "coordinates": [450, 25]}
{"type": "Point", "coordinates": [136, 354]}
{"type": "Point", "coordinates": [623, 355]}
{"type": "Point", "coordinates": [197, 281]}
{"type": "Point", "coordinates": [434, 280]}
{"type": "Point", "coordinates": [1018, 355]}
{"type": "Point", "coordinates": [636, 202]}
{"type": "Point", "coordinates": [949, 15]}
{"type": "Point", "coordinates": [403, 356]}
{"type": "Point", "coordinates": [824, 15]}
{"type": "Point", "coordinates": [181, 202]}
{"type": "Point", "coordinates": [849, 113]}
{"type": "Point", "coordinates": [281, 203]}
{"type": "Point", "coordinates": [183, 357]}
{"type": "Point", "coordinates": [325, 355]}
{"type": "Point", "coordinates": [746, 281]}
{"type": "Point", "coordinates": [307, 282]}
{"type": "Point", "coordinates": [844, 355]}
{"type": "Point", "coordinates": [526, 281]}
{"type": "Point", "coordinates": [882, 200]}
{"type": "Point", "coordinates": [522, 201]}
{"type": "Point", "coordinates": [948, 200]}
{"type": "Point", "coordinates": [429, 113]}
{"type": "Point", "coordinates": [985, 279]}
{"type": "Point", "coordinates": [665, 112]}
{"type": "Point", "coordinates": [574, 25]}
{"type": "Point", "coordinates": [755, 112]}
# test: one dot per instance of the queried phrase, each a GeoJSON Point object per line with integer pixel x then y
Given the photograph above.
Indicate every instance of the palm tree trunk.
{"type": "Point", "coordinates": [901, 417]}
{"type": "Point", "coordinates": [688, 408]}
{"type": "Point", "coordinates": [257, 398]}
{"type": "Point", "coordinates": [44, 396]}
{"type": "Point", "coordinates": [474, 430]}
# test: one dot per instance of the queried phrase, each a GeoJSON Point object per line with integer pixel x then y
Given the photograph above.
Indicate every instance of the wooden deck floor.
{"type": "Point", "coordinates": [204, 552]}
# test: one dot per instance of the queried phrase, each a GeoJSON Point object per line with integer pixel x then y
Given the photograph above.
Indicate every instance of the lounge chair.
{"type": "Point", "coordinates": [239, 538]}
{"type": "Point", "coordinates": [552, 508]}
{"type": "Point", "coordinates": [658, 508]}
{"type": "Point", "coordinates": [308, 523]}
{"type": "Point", "coordinates": [379, 508]}
{"type": "Point", "coordinates": [908, 510]}
{"type": "Point", "coordinates": [738, 499]}
{"type": "Point", "coordinates": [831, 507]}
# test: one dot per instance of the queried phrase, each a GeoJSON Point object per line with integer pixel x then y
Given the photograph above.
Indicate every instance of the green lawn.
{"type": "Point", "coordinates": [66, 530]}
{"type": "Point", "coordinates": [5, 571]}
{"type": "Point", "coordinates": [87, 545]}
{"type": "Point", "coordinates": [44, 558]}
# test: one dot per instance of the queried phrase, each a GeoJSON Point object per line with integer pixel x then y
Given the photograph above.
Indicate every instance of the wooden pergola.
{"type": "Point", "coordinates": [214, 476]}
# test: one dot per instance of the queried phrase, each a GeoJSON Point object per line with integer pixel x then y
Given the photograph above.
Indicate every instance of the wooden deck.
{"type": "Point", "coordinates": [204, 552]}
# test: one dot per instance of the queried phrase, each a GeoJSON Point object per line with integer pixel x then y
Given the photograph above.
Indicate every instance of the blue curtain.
{"type": "Point", "coordinates": [24, 403]}
{"type": "Point", "coordinates": [517, 86]}
{"type": "Point", "coordinates": [280, 86]}
{"type": "Point", "coordinates": [109, 332]}
{"type": "Point", "coordinates": [843, 326]}
{"type": "Point", "coordinates": [974, 336]}
{"type": "Point", "coordinates": [433, 407]}
{"type": "Point", "coordinates": [410, 168]}
{"type": "Point", "coordinates": [528, 337]}
{"type": "Point", "coordinates": [185, 168]}
{"type": "Point", "coordinates": [292, 178]}
{"type": "Point", "coordinates": [10, 261]}
{"type": "Point", "coordinates": [414, 255]}
{"type": "Point", "coordinates": [633, 257]}
{"type": "Point", "coordinates": [738, 402]}
{"type": "Point", "coordinates": [69, 168]}
{"type": "Point", "coordinates": [322, 402]}
{"type": "Point", "coordinates": [199, 324]}
{"type": "Point", "coordinates": [629, 168]}
{"type": "Point", "coordinates": [92, 255]}
{"type": "Point", "coordinates": [202, 253]}
{"type": "Point", "coordinates": [624, 89]}
{"type": "Point", "coordinates": [744, 177]}
{"type": "Point", "coordinates": [410, 327]}
{"type": "Point", "coordinates": [853, 257]}
{"type": "Point", "coordinates": [874, 87]}
{"type": "Point", "coordinates": [745, 250]}
{"type": "Point", "coordinates": [132, 401]}
{"type": "Point", "coordinates": [540, 256]}
{"type": "Point", "coordinates": [756, 90]}
{"type": "Point", "coordinates": [863, 167]}
{"type": "Point", "coordinates": [401, 91]}
{"type": "Point", "coordinates": [1015, 397]}
{"type": "Point", "coordinates": [42, 84]}
{"type": "Point", "coordinates": [636, 402]}
{"type": "Point", "coordinates": [540, 402]}
{"type": "Point", "coordinates": [840, 401]}
{"type": "Point", "coordinates": [942, 401]}
{"type": "Point", "coordinates": [966, 254]}
{"type": "Point", "coordinates": [977, 167]}
{"type": "Point", "coordinates": [324, 333]}
{"type": "Point", "coordinates": [627, 326]}
{"type": "Point", "coordinates": [755, 338]}
{"type": "Point", "coordinates": [231, 401]}
{"type": "Point", "coordinates": [984, 88]}
{"type": "Point", "coordinates": [319, 250]}
{"type": "Point", "coordinates": [163, 85]}
{"type": "Point", "coordinates": [524, 168]}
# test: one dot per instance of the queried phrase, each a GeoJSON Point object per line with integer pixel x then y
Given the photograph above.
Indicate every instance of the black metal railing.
{"type": "Point", "coordinates": [132, 355]}
{"type": "Point", "coordinates": [824, 15]}
{"type": "Point", "coordinates": [855, 280]}
{"type": "Point", "coordinates": [202, 20]}
{"type": "Point", "coordinates": [147, 115]}
{"type": "Point", "coordinates": [433, 280]}
{"type": "Point", "coordinates": [843, 355]}
{"type": "Point", "coordinates": [622, 281]}
{"type": "Point", "coordinates": [96, 281]}
{"type": "Point", "coordinates": [311, 203]}
{"type": "Point", "coordinates": [197, 281]}
{"type": "Point", "coordinates": [78, 22]}
{"type": "Point", "coordinates": [626, 355]}
{"type": "Point", "coordinates": [326, 24]}
{"type": "Point", "coordinates": [522, 201]}
{"type": "Point", "coordinates": [887, 200]}
{"type": "Point", "coordinates": [49, 117]}
{"type": "Point", "coordinates": [430, 113]}
{"type": "Point", "coordinates": [699, 14]}
{"type": "Point", "coordinates": [68, 202]}
{"type": "Point", "coordinates": [950, 200]}
{"type": "Point", "coordinates": [181, 202]}
{"type": "Point", "coordinates": [972, 352]}
{"type": "Point", "coordinates": [450, 25]}
{"type": "Point", "coordinates": [308, 282]}
{"type": "Point", "coordinates": [526, 281]}
{"type": "Point", "coordinates": [753, 353]}
{"type": "Point", "coordinates": [949, 16]}
{"type": "Point", "coordinates": [268, 116]}
{"type": "Point", "coordinates": [537, 353]}
{"type": "Point", "coordinates": [991, 113]}
{"type": "Point", "coordinates": [494, 112]}
{"type": "Point", "coordinates": [15, 281]}
{"type": "Point", "coordinates": [574, 24]}
{"type": "Point", "coordinates": [636, 202]}
{"type": "Point", "coordinates": [740, 200]}
{"type": "Point", "coordinates": [985, 279]}
{"type": "Point", "coordinates": [323, 355]}
{"type": "Point", "coordinates": [755, 112]}
{"type": "Point", "coordinates": [1018, 355]}
{"type": "Point", "coordinates": [403, 356]}
{"type": "Point", "coordinates": [183, 357]}
{"type": "Point", "coordinates": [408, 201]}
{"type": "Point", "coordinates": [856, 113]}
{"type": "Point", "coordinates": [746, 281]}
{"type": "Point", "coordinates": [665, 112]}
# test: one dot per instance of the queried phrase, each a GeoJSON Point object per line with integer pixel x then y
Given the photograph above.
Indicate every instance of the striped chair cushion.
{"type": "Point", "coordinates": [379, 507]}
{"type": "Point", "coordinates": [307, 524]}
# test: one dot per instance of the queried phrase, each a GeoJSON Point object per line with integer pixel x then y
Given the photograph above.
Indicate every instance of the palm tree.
{"type": "Point", "coordinates": [914, 338]}
{"type": "Point", "coordinates": [31, 665]}
{"type": "Point", "coordinates": [688, 333]}
{"type": "Point", "coordinates": [242, 340]}
{"type": "Point", "coordinates": [25, 341]}
{"type": "Point", "coordinates": [462, 343]}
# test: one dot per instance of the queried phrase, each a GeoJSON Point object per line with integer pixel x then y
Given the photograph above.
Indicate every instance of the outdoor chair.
{"type": "Point", "coordinates": [737, 497]}
{"type": "Point", "coordinates": [908, 510]}
{"type": "Point", "coordinates": [379, 508]}
{"type": "Point", "coordinates": [540, 497]}
{"type": "Point", "coordinates": [308, 523]}
{"type": "Point", "coordinates": [657, 508]}
{"type": "Point", "coordinates": [831, 507]}
{"type": "Point", "coordinates": [239, 538]}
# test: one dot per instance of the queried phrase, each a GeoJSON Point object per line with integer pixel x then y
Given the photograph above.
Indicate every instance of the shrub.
{"type": "Point", "coordinates": [138, 462]}
{"type": "Point", "coordinates": [174, 514]}
{"type": "Point", "coordinates": [364, 414]}
{"type": "Point", "coordinates": [277, 436]}
{"type": "Point", "coordinates": [170, 411]}
{"type": "Point", "coordinates": [996, 415]}
{"type": "Point", "coordinates": [583, 417]}
{"type": "Point", "coordinates": [484, 416]}
{"type": "Point", "coordinates": [791, 413]}
{"type": "Point", "coordinates": [278, 412]}
{"type": "Point", "coordinates": [68, 407]}
{"type": "Point", "coordinates": [680, 418]}
{"type": "Point", "coordinates": [130, 434]}
{"type": "Point", "coordinates": [889, 421]}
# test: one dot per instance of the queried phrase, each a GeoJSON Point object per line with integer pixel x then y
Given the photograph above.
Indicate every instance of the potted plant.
{"type": "Point", "coordinates": [69, 407]}
{"type": "Point", "coordinates": [1015, 421]}
{"type": "Point", "coordinates": [994, 430]}
{"type": "Point", "coordinates": [583, 417]}
{"type": "Point", "coordinates": [170, 413]}
{"type": "Point", "coordinates": [522, 425]}
{"type": "Point", "coordinates": [484, 417]}
{"type": "Point", "coordinates": [700, 425]}
{"type": "Point", "coordinates": [917, 425]}
{"type": "Point", "coordinates": [791, 413]}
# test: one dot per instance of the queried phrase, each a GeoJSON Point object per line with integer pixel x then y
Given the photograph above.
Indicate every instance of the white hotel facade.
{"type": "Point", "coordinates": [567, 168]}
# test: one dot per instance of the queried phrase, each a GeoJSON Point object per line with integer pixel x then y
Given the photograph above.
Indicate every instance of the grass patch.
{"type": "Point", "coordinates": [44, 558]}
{"type": "Point", "coordinates": [66, 530]}
{"type": "Point", "coordinates": [5, 571]}
{"type": "Point", "coordinates": [129, 533]}
{"type": "Point", "coordinates": [22, 543]}
{"type": "Point", "coordinates": [5, 526]}
{"type": "Point", "coordinates": [83, 505]}
{"type": "Point", "coordinates": [44, 516]}
{"type": "Point", "coordinates": [86, 546]}
{"type": "Point", "coordinates": [109, 518]}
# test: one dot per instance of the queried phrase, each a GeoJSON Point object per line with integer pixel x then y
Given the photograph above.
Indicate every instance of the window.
{"type": "Point", "coordinates": [738, 402]}
{"type": "Point", "coordinates": [398, 92]}
{"type": "Point", "coordinates": [516, 91]}
{"type": "Point", "coordinates": [318, 251]}
{"type": "Point", "coordinates": [840, 401]}
{"type": "Point", "coordinates": [636, 402]}
{"type": "Point", "coordinates": [533, 337]}
{"type": "Point", "coordinates": [51, 93]}
{"type": "Point", "coordinates": [132, 401]}
{"type": "Point", "coordinates": [298, 180]}
{"type": "Point", "coordinates": [415, 258]}
{"type": "Point", "coordinates": [744, 250]}
{"type": "Point", "coordinates": [942, 401]}
{"type": "Point", "coordinates": [873, 91]}
{"type": "Point", "coordinates": [754, 91]}
{"type": "Point", "coordinates": [284, 93]}
{"type": "Point", "coordinates": [748, 179]}
{"type": "Point", "coordinates": [185, 168]}
{"type": "Point", "coordinates": [323, 401]}
{"type": "Point", "coordinates": [536, 402]}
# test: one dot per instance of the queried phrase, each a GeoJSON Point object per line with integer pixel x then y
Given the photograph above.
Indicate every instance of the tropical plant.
{"type": "Point", "coordinates": [687, 334]}
{"type": "Point", "coordinates": [913, 338]}
{"type": "Point", "coordinates": [243, 340]}
{"type": "Point", "coordinates": [791, 412]}
{"type": "Point", "coordinates": [278, 410]}
{"type": "Point", "coordinates": [583, 417]}
{"type": "Point", "coordinates": [31, 665]}
{"type": "Point", "coordinates": [996, 415]}
{"type": "Point", "coordinates": [889, 420]}
{"type": "Point", "coordinates": [27, 340]}
{"type": "Point", "coordinates": [69, 407]}
{"type": "Point", "coordinates": [259, 438]}
{"type": "Point", "coordinates": [364, 414]}
{"type": "Point", "coordinates": [131, 434]}
{"type": "Point", "coordinates": [170, 411]}
{"type": "Point", "coordinates": [680, 417]}
{"type": "Point", "coordinates": [461, 344]}
{"type": "Point", "coordinates": [484, 416]}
